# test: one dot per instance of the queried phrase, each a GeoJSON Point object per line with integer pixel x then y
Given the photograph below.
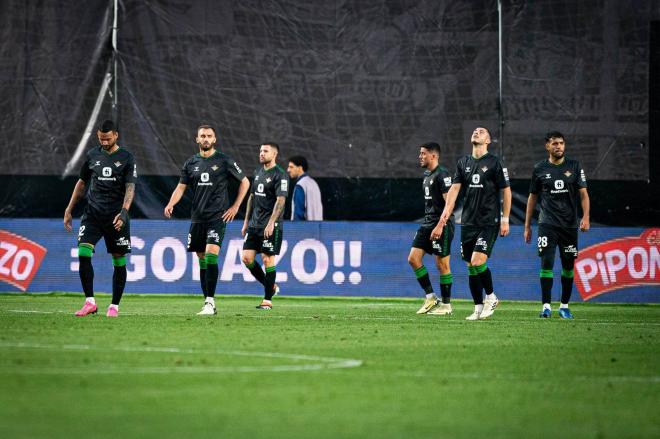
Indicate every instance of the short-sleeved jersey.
{"type": "Point", "coordinates": [436, 183]}
{"type": "Point", "coordinates": [106, 176]}
{"type": "Point", "coordinates": [267, 186]}
{"type": "Point", "coordinates": [209, 180]}
{"type": "Point", "coordinates": [482, 178]}
{"type": "Point", "coordinates": [558, 187]}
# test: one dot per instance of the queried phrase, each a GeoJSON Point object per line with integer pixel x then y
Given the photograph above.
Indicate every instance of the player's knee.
{"type": "Point", "coordinates": [414, 261]}
{"type": "Point", "coordinates": [547, 261]}
{"type": "Point", "coordinates": [478, 259]}
{"type": "Point", "coordinates": [247, 259]}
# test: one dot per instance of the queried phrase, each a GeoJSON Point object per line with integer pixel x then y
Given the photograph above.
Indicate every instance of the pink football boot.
{"type": "Point", "coordinates": [88, 308]}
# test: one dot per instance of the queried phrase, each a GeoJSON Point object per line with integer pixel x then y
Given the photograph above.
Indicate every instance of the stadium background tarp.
{"type": "Point", "coordinates": [353, 84]}
{"type": "Point", "coordinates": [327, 259]}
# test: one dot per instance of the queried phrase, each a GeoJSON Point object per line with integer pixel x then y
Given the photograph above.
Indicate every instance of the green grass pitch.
{"type": "Point", "coordinates": [324, 368]}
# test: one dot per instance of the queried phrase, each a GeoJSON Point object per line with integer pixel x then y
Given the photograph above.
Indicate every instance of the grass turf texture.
{"type": "Point", "coordinates": [160, 371]}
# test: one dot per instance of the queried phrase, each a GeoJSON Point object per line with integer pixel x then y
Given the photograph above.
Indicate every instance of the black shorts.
{"type": "Point", "coordinates": [478, 239]}
{"type": "Point", "coordinates": [438, 247]}
{"type": "Point", "coordinates": [549, 237]}
{"type": "Point", "coordinates": [200, 234]}
{"type": "Point", "coordinates": [254, 240]}
{"type": "Point", "coordinates": [93, 228]}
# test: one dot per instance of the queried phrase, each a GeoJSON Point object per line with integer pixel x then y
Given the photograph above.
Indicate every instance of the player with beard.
{"type": "Point", "coordinates": [208, 173]}
{"type": "Point", "coordinates": [262, 227]}
{"type": "Point", "coordinates": [108, 176]}
{"type": "Point", "coordinates": [560, 182]}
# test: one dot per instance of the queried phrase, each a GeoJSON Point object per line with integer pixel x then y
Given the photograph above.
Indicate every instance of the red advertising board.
{"type": "Point", "coordinates": [20, 259]}
{"type": "Point", "coordinates": [618, 263]}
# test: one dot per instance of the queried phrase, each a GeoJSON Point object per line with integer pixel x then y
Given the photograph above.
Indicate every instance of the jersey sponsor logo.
{"type": "Point", "coordinates": [268, 179]}
{"type": "Point", "coordinates": [212, 234]}
{"type": "Point", "coordinates": [548, 176]}
{"type": "Point", "coordinates": [98, 163]}
{"type": "Point", "coordinates": [571, 250]}
{"type": "Point", "coordinates": [476, 179]}
{"type": "Point", "coordinates": [267, 244]}
{"type": "Point", "coordinates": [559, 187]}
{"type": "Point", "coordinates": [447, 181]}
{"type": "Point", "coordinates": [582, 176]}
{"type": "Point", "coordinates": [619, 263]}
{"type": "Point", "coordinates": [467, 169]}
{"type": "Point", "coordinates": [237, 168]}
{"type": "Point", "coordinates": [106, 174]}
{"type": "Point", "coordinates": [204, 180]}
{"type": "Point", "coordinates": [568, 173]}
{"type": "Point", "coordinates": [196, 169]}
{"type": "Point", "coordinates": [135, 171]}
{"type": "Point", "coordinates": [20, 259]}
{"type": "Point", "coordinates": [117, 164]}
{"type": "Point", "coordinates": [427, 193]}
{"type": "Point", "coordinates": [284, 184]}
{"type": "Point", "coordinates": [484, 169]}
{"type": "Point", "coordinates": [215, 167]}
{"type": "Point", "coordinates": [505, 171]}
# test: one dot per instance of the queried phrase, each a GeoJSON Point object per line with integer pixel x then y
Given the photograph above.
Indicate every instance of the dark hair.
{"type": "Point", "coordinates": [206, 127]}
{"type": "Point", "coordinates": [273, 144]}
{"type": "Point", "coordinates": [432, 146]}
{"type": "Point", "coordinates": [107, 126]}
{"type": "Point", "coordinates": [299, 160]}
{"type": "Point", "coordinates": [554, 135]}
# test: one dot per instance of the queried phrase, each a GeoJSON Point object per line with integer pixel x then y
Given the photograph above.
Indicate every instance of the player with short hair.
{"type": "Point", "coordinates": [262, 227]}
{"type": "Point", "coordinates": [484, 177]}
{"type": "Point", "coordinates": [559, 181]}
{"type": "Point", "coordinates": [436, 184]}
{"type": "Point", "coordinates": [108, 176]}
{"type": "Point", "coordinates": [208, 173]}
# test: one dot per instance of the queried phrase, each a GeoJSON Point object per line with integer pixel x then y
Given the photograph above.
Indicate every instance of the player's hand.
{"type": "Point", "coordinates": [120, 220]}
{"type": "Point", "coordinates": [230, 214]}
{"type": "Point", "coordinates": [436, 232]}
{"type": "Point", "coordinates": [504, 229]}
{"type": "Point", "coordinates": [268, 231]}
{"type": "Point", "coordinates": [68, 221]}
{"type": "Point", "coordinates": [584, 224]}
{"type": "Point", "coordinates": [168, 211]}
{"type": "Point", "coordinates": [528, 234]}
{"type": "Point", "coordinates": [244, 229]}
{"type": "Point", "coordinates": [444, 217]}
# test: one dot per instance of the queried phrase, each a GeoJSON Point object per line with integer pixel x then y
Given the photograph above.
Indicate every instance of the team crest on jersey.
{"type": "Point", "coordinates": [484, 169]}
{"type": "Point", "coordinates": [214, 167]}
{"type": "Point", "coordinates": [447, 181]}
{"type": "Point", "coordinates": [256, 178]}
{"type": "Point", "coordinates": [98, 163]}
{"type": "Point", "coordinates": [196, 169]}
{"type": "Point", "coordinates": [467, 169]}
{"type": "Point", "coordinates": [568, 173]}
{"type": "Point", "coordinates": [268, 179]}
{"type": "Point", "coordinates": [117, 164]}
{"type": "Point", "coordinates": [548, 176]}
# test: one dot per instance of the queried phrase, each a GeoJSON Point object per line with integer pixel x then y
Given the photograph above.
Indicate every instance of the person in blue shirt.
{"type": "Point", "coordinates": [306, 204]}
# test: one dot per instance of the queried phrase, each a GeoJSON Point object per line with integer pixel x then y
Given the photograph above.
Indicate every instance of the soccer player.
{"type": "Point", "coordinates": [484, 177]}
{"type": "Point", "coordinates": [208, 173]}
{"type": "Point", "coordinates": [262, 227]}
{"type": "Point", "coordinates": [560, 181]}
{"type": "Point", "coordinates": [437, 182]}
{"type": "Point", "coordinates": [108, 177]}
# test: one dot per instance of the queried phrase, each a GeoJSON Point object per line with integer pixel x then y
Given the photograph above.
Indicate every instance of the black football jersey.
{"type": "Point", "coordinates": [436, 183]}
{"type": "Point", "coordinates": [482, 178]}
{"type": "Point", "coordinates": [558, 187]}
{"type": "Point", "coordinates": [209, 180]}
{"type": "Point", "coordinates": [105, 175]}
{"type": "Point", "coordinates": [267, 186]}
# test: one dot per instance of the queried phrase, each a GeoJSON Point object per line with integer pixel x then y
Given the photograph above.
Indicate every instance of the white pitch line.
{"type": "Point", "coordinates": [320, 362]}
{"type": "Point", "coordinates": [498, 376]}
